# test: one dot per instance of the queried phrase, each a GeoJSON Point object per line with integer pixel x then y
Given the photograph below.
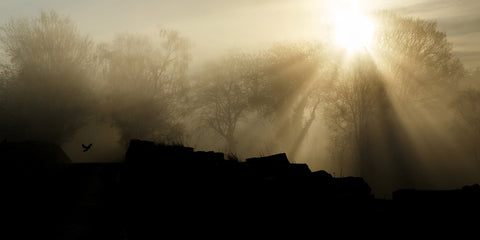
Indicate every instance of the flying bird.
{"type": "Point", "coordinates": [86, 148]}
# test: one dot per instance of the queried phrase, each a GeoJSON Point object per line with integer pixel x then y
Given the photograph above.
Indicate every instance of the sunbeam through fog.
{"type": "Point", "coordinates": [345, 86]}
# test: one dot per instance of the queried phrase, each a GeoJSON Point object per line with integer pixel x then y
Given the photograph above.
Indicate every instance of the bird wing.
{"type": "Point", "coordinates": [84, 146]}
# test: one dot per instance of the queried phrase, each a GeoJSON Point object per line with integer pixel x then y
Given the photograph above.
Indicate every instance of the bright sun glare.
{"type": "Point", "coordinates": [353, 30]}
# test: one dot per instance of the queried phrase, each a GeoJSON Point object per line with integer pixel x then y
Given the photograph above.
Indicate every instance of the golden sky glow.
{"type": "Point", "coordinates": [215, 26]}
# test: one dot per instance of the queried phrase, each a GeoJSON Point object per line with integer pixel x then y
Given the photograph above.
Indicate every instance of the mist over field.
{"type": "Point", "coordinates": [397, 106]}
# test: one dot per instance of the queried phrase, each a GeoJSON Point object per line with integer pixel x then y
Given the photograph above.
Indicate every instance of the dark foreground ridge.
{"type": "Point", "coordinates": [160, 188]}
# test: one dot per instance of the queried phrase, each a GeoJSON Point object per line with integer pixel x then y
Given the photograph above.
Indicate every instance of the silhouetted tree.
{"type": "Point", "coordinates": [379, 93]}
{"type": "Point", "coordinates": [467, 109]}
{"type": "Point", "coordinates": [224, 92]}
{"type": "Point", "coordinates": [276, 85]}
{"type": "Point", "coordinates": [295, 80]}
{"type": "Point", "coordinates": [145, 84]}
{"type": "Point", "coordinates": [415, 56]}
{"type": "Point", "coordinates": [353, 106]}
{"type": "Point", "coordinates": [46, 81]}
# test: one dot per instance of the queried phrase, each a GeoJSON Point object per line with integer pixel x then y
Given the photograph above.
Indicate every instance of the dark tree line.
{"type": "Point", "coordinates": [47, 92]}
{"type": "Point", "coordinates": [55, 80]}
{"type": "Point", "coordinates": [144, 84]}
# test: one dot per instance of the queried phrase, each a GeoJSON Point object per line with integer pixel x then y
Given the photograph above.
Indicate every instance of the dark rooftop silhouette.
{"type": "Point", "coordinates": [161, 187]}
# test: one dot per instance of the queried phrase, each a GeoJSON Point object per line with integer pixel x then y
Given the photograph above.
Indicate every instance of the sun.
{"type": "Point", "coordinates": [353, 30]}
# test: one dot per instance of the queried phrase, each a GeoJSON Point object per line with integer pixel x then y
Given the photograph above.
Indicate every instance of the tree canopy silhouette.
{"type": "Point", "coordinates": [223, 94]}
{"type": "Point", "coordinates": [270, 85]}
{"type": "Point", "coordinates": [380, 96]}
{"type": "Point", "coordinates": [47, 77]}
{"type": "Point", "coordinates": [144, 84]}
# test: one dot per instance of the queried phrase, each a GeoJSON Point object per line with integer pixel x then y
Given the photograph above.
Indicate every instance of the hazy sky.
{"type": "Point", "coordinates": [215, 26]}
